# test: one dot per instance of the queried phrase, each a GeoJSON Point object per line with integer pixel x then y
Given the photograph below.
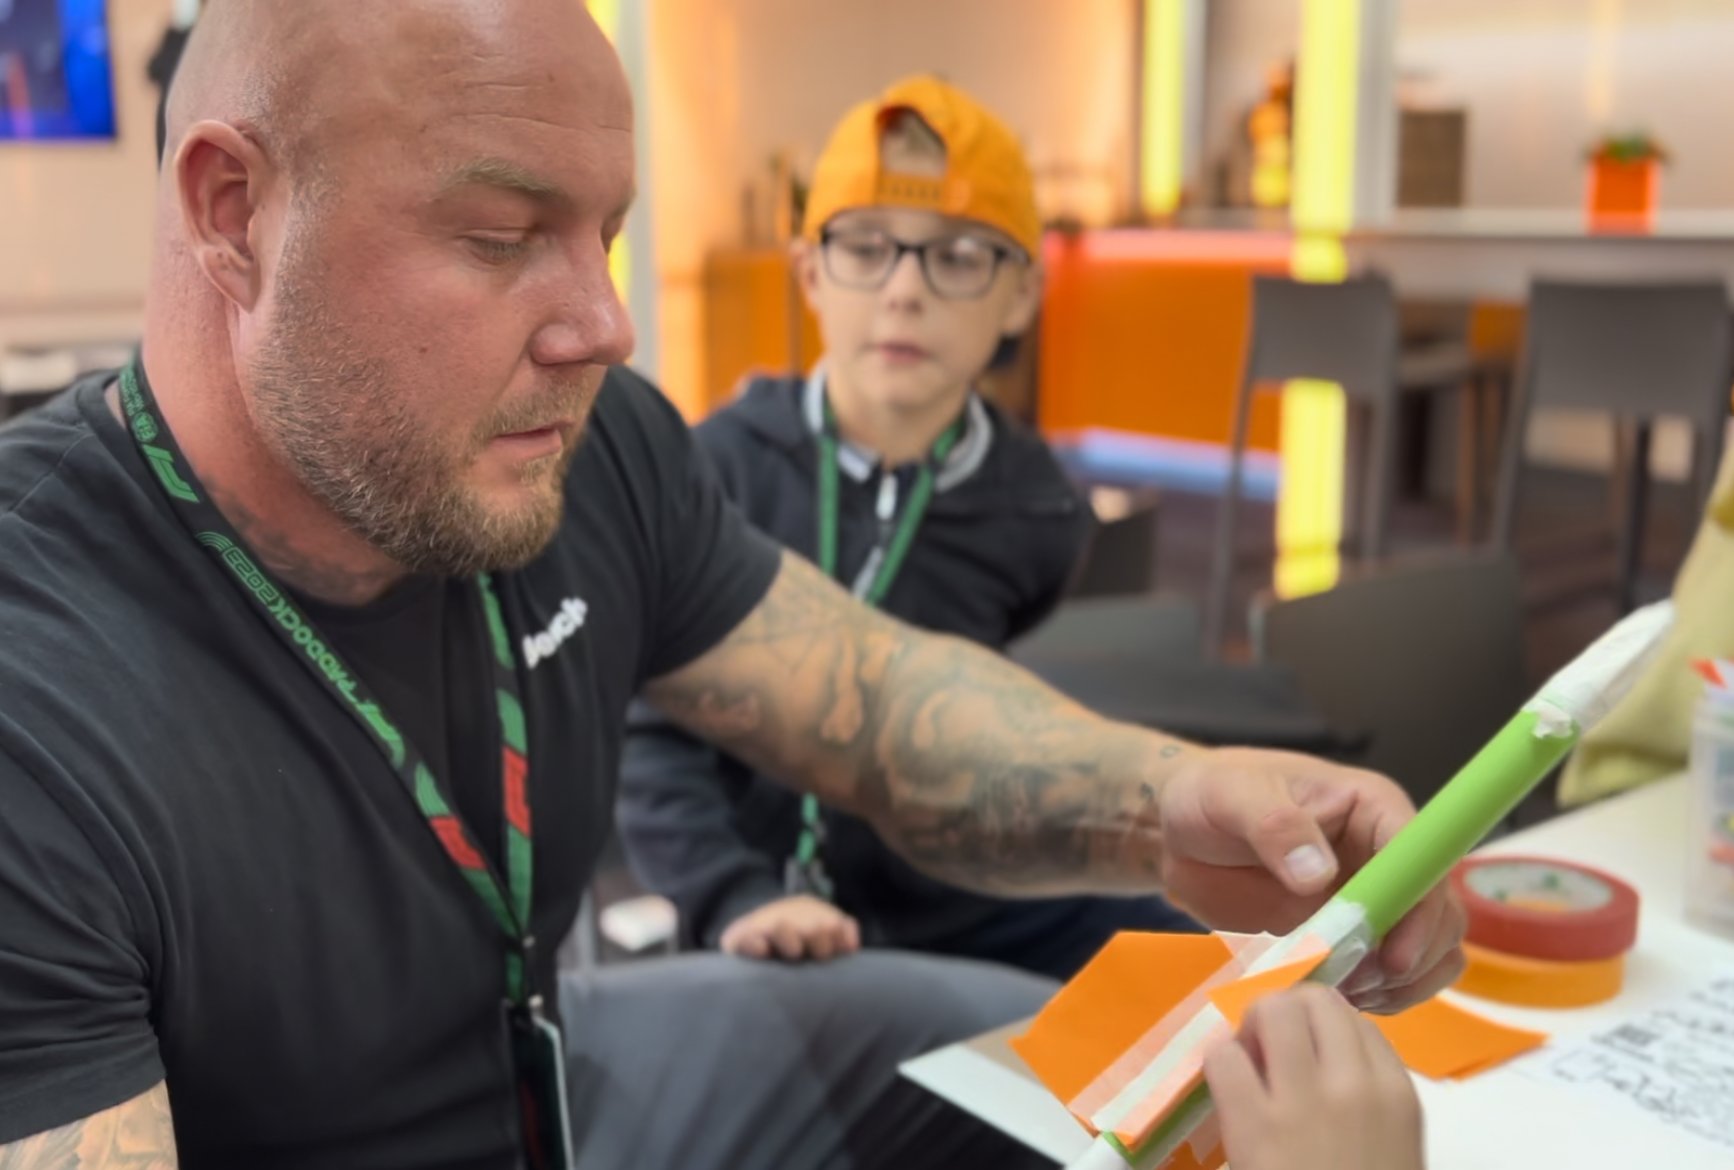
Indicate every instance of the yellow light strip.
{"type": "Point", "coordinates": [606, 14]}
{"type": "Point", "coordinates": [1309, 513]}
{"type": "Point", "coordinates": [1162, 130]}
{"type": "Point", "coordinates": [1324, 116]}
{"type": "Point", "coordinates": [620, 267]}
{"type": "Point", "coordinates": [1313, 424]}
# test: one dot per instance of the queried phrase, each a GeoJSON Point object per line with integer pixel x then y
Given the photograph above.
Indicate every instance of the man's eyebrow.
{"type": "Point", "coordinates": [494, 172]}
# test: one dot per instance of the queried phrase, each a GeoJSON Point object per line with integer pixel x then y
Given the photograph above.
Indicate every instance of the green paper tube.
{"type": "Point", "coordinates": [1481, 795]}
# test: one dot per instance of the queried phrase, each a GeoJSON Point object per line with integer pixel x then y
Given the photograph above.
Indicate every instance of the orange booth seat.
{"type": "Point", "coordinates": [1145, 332]}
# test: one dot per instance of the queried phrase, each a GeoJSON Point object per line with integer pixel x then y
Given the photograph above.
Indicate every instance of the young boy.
{"type": "Point", "coordinates": [884, 467]}
{"type": "Point", "coordinates": [920, 261]}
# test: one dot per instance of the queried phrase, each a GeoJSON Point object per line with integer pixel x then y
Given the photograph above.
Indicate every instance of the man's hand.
{"type": "Point", "coordinates": [1257, 840]}
{"type": "Point", "coordinates": [794, 928]}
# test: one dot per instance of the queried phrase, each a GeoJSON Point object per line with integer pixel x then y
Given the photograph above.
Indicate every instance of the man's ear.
{"type": "Point", "coordinates": [1024, 305]}
{"type": "Point", "coordinates": [220, 176]}
{"type": "Point", "coordinates": [804, 254]}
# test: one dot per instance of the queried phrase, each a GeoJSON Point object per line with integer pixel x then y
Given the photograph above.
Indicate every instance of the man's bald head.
{"type": "Point", "coordinates": [297, 74]}
{"type": "Point", "coordinates": [391, 219]}
{"type": "Point", "coordinates": [234, 65]}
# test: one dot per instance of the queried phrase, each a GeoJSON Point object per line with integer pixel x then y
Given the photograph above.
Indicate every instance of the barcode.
{"type": "Point", "coordinates": [1633, 1036]}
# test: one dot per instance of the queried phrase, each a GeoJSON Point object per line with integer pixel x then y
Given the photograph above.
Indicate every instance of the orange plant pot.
{"type": "Point", "coordinates": [1623, 193]}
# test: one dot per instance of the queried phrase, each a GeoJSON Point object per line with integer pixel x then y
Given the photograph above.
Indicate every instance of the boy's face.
{"type": "Point", "coordinates": [899, 343]}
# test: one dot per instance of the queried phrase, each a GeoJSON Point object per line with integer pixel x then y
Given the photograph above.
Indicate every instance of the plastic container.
{"type": "Point", "coordinates": [1710, 878]}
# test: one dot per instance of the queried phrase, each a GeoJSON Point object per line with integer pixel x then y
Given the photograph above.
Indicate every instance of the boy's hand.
{"type": "Point", "coordinates": [794, 928]}
{"type": "Point", "coordinates": [1311, 1083]}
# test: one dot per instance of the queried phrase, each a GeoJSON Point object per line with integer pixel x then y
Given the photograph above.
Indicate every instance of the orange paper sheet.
{"type": "Point", "coordinates": [1236, 998]}
{"type": "Point", "coordinates": [1122, 993]}
{"type": "Point", "coordinates": [1443, 1041]}
{"type": "Point", "coordinates": [1120, 1011]}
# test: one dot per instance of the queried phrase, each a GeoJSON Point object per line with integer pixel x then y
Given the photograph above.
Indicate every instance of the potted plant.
{"type": "Point", "coordinates": [1625, 178]}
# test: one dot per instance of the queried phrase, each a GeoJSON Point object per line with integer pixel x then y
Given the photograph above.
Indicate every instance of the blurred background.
{"type": "Point", "coordinates": [1529, 203]}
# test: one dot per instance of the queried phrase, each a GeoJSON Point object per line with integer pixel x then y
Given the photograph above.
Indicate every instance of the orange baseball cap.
{"type": "Point", "coordinates": [986, 176]}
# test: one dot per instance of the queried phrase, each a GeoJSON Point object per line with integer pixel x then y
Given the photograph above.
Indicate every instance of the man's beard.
{"type": "Point", "coordinates": [352, 436]}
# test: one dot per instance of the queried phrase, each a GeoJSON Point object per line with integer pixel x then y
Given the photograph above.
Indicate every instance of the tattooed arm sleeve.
{"type": "Point", "coordinates": [138, 1135]}
{"type": "Point", "coordinates": [971, 767]}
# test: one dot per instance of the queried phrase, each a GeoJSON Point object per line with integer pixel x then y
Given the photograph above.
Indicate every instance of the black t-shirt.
{"type": "Point", "coordinates": [443, 686]}
{"type": "Point", "coordinates": [207, 872]}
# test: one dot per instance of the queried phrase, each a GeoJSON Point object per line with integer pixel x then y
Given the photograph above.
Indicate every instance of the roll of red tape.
{"type": "Point", "coordinates": [1541, 908]}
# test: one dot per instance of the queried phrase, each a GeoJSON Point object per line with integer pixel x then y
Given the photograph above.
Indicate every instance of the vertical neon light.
{"type": "Point", "coordinates": [606, 14]}
{"type": "Point", "coordinates": [1309, 523]}
{"type": "Point", "coordinates": [1162, 110]}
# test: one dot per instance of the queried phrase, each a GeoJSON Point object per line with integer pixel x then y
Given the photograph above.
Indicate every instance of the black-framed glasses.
{"type": "Point", "coordinates": [958, 267]}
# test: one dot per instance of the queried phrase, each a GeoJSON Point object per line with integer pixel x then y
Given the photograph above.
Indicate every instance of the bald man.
{"type": "Point", "coordinates": [322, 619]}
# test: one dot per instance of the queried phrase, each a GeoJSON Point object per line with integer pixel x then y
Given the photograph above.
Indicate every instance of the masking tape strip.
{"type": "Point", "coordinates": [1113, 1080]}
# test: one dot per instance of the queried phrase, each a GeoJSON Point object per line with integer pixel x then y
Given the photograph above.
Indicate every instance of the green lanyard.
{"type": "Point", "coordinates": [509, 902]}
{"type": "Point", "coordinates": [885, 561]}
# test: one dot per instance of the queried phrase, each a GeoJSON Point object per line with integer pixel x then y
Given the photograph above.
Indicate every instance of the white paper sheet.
{"type": "Point", "coordinates": [1674, 1062]}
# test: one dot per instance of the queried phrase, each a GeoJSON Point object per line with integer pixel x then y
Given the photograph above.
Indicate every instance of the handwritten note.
{"type": "Point", "coordinates": [1675, 1062]}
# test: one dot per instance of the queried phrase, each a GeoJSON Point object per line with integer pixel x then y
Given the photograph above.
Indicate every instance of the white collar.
{"type": "Point", "coordinates": [858, 463]}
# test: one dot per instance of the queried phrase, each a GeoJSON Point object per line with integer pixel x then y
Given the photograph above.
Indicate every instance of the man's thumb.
{"type": "Point", "coordinates": [1291, 845]}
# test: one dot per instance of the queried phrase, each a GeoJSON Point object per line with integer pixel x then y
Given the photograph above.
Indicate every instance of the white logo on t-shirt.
{"type": "Point", "coordinates": [567, 622]}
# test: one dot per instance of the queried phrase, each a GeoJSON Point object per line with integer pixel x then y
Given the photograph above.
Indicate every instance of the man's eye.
{"type": "Point", "coordinates": [498, 250]}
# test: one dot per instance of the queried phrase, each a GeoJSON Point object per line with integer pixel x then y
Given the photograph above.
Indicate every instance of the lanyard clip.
{"type": "Point", "coordinates": [521, 978]}
{"type": "Point", "coordinates": [807, 877]}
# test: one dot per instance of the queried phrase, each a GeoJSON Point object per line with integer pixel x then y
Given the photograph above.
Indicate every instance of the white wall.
{"type": "Point", "coordinates": [1542, 78]}
{"type": "Point", "coordinates": [736, 80]}
{"type": "Point", "coordinates": [75, 217]}
{"type": "Point", "coordinates": [1058, 71]}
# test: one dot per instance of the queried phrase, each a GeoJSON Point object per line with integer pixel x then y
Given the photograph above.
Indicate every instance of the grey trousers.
{"type": "Point", "coordinates": [709, 1062]}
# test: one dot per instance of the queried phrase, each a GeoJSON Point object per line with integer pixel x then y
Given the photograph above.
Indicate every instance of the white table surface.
{"type": "Point", "coordinates": [1508, 1117]}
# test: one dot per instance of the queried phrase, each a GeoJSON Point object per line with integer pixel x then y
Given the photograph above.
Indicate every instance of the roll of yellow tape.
{"type": "Point", "coordinates": [1544, 983]}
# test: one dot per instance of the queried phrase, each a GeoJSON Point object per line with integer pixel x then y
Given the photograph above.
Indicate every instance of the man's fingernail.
{"type": "Point", "coordinates": [1307, 863]}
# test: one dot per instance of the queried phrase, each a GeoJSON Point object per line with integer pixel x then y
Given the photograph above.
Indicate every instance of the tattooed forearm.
{"type": "Point", "coordinates": [976, 770]}
{"type": "Point", "coordinates": [136, 1136]}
